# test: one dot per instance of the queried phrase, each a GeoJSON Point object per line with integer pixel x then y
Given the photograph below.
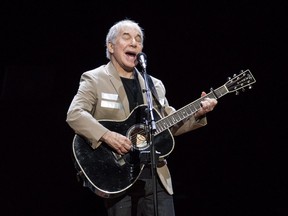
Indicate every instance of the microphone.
{"type": "Point", "coordinates": [142, 59]}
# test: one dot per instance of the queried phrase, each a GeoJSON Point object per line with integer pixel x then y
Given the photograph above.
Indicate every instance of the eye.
{"type": "Point", "coordinates": [126, 36]}
{"type": "Point", "coordinates": [138, 39]}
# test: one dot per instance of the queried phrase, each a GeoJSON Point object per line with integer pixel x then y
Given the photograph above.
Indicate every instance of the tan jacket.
{"type": "Point", "coordinates": [101, 95]}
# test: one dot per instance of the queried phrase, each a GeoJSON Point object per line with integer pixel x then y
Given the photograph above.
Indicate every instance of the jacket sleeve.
{"type": "Point", "coordinates": [80, 113]}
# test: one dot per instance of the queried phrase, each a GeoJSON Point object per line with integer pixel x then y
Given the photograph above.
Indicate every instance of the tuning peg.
{"type": "Point", "coordinates": [236, 92]}
{"type": "Point", "coordinates": [250, 87]}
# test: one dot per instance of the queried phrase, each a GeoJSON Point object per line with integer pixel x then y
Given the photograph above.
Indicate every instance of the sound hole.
{"type": "Point", "coordinates": [138, 136]}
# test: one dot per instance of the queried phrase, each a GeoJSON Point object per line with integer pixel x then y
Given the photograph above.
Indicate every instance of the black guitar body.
{"type": "Point", "coordinates": [110, 173]}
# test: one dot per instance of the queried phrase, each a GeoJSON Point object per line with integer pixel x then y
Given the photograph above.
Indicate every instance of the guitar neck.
{"type": "Point", "coordinates": [187, 110]}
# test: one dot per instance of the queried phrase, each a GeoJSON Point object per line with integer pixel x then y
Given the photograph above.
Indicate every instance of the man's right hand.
{"type": "Point", "coordinates": [121, 144]}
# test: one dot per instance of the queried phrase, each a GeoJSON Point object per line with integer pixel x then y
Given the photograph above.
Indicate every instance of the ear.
{"type": "Point", "coordinates": [110, 47]}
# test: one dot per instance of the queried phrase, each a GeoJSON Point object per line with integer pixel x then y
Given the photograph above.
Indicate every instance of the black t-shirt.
{"type": "Point", "coordinates": [133, 91]}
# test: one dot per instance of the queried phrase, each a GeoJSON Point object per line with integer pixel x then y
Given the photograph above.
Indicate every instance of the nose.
{"type": "Point", "coordinates": [133, 42]}
{"type": "Point", "coordinates": [136, 41]}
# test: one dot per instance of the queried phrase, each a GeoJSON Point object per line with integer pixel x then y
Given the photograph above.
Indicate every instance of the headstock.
{"type": "Point", "coordinates": [240, 81]}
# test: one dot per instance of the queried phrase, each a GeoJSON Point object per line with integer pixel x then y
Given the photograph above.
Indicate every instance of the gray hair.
{"type": "Point", "coordinates": [115, 29]}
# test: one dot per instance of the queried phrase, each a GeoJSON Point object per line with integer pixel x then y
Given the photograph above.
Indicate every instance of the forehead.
{"type": "Point", "coordinates": [130, 29]}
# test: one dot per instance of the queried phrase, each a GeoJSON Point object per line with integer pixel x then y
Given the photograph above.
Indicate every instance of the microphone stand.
{"type": "Point", "coordinates": [151, 128]}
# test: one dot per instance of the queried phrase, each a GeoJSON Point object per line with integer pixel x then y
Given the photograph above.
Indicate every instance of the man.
{"type": "Point", "coordinates": [112, 92]}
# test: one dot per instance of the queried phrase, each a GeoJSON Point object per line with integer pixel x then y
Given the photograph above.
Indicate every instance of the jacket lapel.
{"type": "Point", "coordinates": [118, 86]}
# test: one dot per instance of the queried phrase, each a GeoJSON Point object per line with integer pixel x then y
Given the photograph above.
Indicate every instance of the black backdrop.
{"type": "Point", "coordinates": [236, 165]}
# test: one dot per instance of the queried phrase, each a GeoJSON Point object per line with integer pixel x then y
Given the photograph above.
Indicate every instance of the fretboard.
{"type": "Point", "coordinates": [187, 110]}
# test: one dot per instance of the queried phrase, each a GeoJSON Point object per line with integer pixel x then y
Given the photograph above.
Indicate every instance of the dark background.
{"type": "Point", "coordinates": [236, 165]}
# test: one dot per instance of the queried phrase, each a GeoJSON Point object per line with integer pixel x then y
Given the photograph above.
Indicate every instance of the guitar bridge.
{"type": "Point", "coordinates": [119, 159]}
